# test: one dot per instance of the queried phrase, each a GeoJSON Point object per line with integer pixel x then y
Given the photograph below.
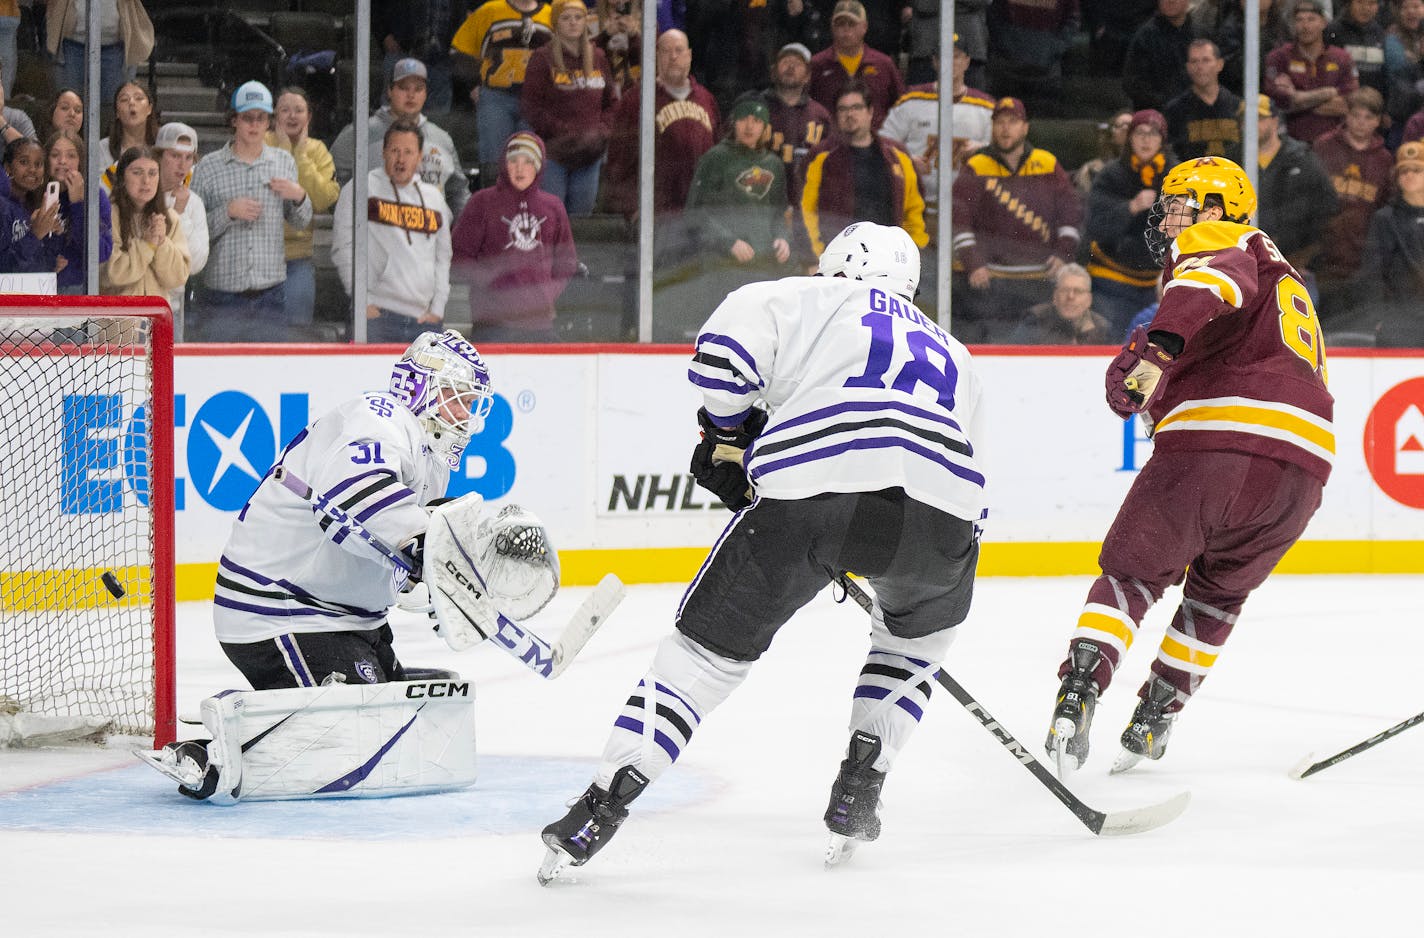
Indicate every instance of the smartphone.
{"type": "Point", "coordinates": [51, 193]}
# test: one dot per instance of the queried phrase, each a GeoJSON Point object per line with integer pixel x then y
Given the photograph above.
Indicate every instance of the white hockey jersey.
{"type": "Point", "coordinates": [865, 391]}
{"type": "Point", "coordinates": [285, 569]}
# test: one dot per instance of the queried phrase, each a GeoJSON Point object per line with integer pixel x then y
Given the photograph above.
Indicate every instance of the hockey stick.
{"type": "Point", "coordinates": [532, 651]}
{"type": "Point", "coordinates": [1107, 823]}
{"type": "Point", "coordinates": [1305, 768]}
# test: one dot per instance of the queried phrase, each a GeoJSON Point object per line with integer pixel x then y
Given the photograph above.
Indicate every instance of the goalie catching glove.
{"type": "Point", "coordinates": [478, 568]}
{"type": "Point", "coordinates": [717, 460]}
{"type": "Point", "coordinates": [1136, 375]}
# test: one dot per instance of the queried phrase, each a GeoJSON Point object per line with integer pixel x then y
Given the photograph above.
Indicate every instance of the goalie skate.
{"type": "Point", "coordinates": [186, 763]}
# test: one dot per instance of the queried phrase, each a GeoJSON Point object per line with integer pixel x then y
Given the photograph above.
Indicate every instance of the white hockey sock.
{"type": "Point", "coordinates": [684, 684]}
{"type": "Point", "coordinates": [894, 688]}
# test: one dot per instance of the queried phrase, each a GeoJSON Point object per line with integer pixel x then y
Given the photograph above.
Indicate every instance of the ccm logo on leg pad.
{"type": "Point", "coordinates": [438, 689]}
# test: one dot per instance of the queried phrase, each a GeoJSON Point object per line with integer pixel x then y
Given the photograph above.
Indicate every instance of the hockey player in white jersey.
{"type": "Point", "coordinates": [335, 534]}
{"type": "Point", "coordinates": [864, 460]}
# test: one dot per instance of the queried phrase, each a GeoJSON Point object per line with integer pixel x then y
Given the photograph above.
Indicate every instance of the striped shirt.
{"type": "Point", "coordinates": [285, 569]}
{"type": "Point", "coordinates": [865, 392]}
{"type": "Point", "coordinates": [247, 255]}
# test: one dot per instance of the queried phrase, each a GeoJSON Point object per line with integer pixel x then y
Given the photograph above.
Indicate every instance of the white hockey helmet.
{"type": "Point", "coordinates": [867, 251]}
{"type": "Point", "coordinates": [443, 380]}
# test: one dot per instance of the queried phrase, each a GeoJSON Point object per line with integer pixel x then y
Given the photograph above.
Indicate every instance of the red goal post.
{"type": "Point", "coordinates": [86, 518]}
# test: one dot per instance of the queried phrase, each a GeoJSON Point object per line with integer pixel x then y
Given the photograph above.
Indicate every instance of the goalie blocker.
{"type": "Point", "coordinates": [333, 741]}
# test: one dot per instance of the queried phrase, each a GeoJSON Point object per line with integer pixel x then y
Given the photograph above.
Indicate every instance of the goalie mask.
{"type": "Point", "coordinates": [443, 381]}
{"type": "Point", "coordinates": [867, 251]}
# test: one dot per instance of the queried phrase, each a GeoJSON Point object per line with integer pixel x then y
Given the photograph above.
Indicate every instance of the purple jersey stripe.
{"type": "Point", "coordinates": [345, 484]}
{"type": "Point", "coordinates": [732, 345]}
{"type": "Point", "coordinates": [716, 384]}
{"type": "Point", "coordinates": [359, 774]}
{"type": "Point", "coordinates": [848, 407]}
{"type": "Point", "coordinates": [227, 603]}
{"type": "Point", "coordinates": [826, 452]}
{"type": "Point", "coordinates": [399, 494]}
{"type": "Point", "coordinates": [296, 591]}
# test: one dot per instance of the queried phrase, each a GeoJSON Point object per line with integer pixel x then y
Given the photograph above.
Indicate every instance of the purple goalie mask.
{"type": "Point", "coordinates": [443, 381]}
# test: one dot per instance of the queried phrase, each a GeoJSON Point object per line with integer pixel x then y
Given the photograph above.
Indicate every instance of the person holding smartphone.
{"type": "Point", "coordinates": [27, 222]}
{"type": "Point", "coordinates": [64, 167]}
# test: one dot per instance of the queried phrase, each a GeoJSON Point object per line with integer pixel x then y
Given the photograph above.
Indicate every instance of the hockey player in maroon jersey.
{"type": "Point", "coordinates": [1229, 378]}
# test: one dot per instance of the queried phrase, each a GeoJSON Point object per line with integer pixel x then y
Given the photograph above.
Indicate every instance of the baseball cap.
{"type": "Point", "coordinates": [961, 44]}
{"type": "Point", "coordinates": [409, 68]}
{"type": "Point", "coordinates": [1409, 156]}
{"type": "Point", "coordinates": [794, 48]}
{"type": "Point", "coordinates": [252, 96]}
{"type": "Point", "coordinates": [1011, 106]}
{"type": "Point", "coordinates": [850, 8]}
{"type": "Point", "coordinates": [176, 136]}
{"type": "Point", "coordinates": [1266, 106]}
{"type": "Point", "coordinates": [751, 107]}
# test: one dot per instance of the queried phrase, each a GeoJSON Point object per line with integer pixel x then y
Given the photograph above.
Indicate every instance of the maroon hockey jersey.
{"type": "Point", "coordinates": [1251, 377]}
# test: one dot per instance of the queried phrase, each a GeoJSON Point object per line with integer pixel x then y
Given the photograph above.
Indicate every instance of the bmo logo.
{"type": "Point", "coordinates": [226, 443]}
{"type": "Point", "coordinates": [1394, 443]}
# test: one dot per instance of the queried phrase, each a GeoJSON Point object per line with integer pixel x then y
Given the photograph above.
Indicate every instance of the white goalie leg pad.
{"type": "Point", "coordinates": [685, 683]}
{"type": "Point", "coordinates": [894, 686]}
{"type": "Point", "coordinates": [342, 741]}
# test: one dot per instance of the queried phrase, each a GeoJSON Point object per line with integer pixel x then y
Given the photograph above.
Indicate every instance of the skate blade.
{"type": "Point", "coordinates": [1124, 761]}
{"type": "Point", "coordinates": [555, 862]}
{"type": "Point", "coordinates": [840, 849]}
{"type": "Point", "coordinates": [1064, 765]}
{"type": "Point", "coordinates": [168, 767]}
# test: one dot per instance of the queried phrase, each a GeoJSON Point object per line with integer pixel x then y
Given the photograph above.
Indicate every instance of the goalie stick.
{"type": "Point", "coordinates": [532, 651]}
{"type": "Point", "coordinates": [1107, 823]}
{"type": "Point", "coordinates": [1305, 768]}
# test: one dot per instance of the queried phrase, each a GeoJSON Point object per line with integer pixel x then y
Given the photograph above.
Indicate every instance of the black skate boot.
{"type": "Point", "coordinates": [591, 822]}
{"type": "Point", "coordinates": [853, 815]}
{"type": "Point", "coordinates": [1073, 711]}
{"type": "Point", "coordinates": [1146, 736]}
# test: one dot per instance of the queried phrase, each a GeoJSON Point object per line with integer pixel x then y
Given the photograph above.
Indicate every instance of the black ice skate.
{"type": "Point", "coordinates": [853, 815]}
{"type": "Point", "coordinates": [592, 821]}
{"type": "Point", "coordinates": [1146, 736]}
{"type": "Point", "coordinates": [1073, 711]}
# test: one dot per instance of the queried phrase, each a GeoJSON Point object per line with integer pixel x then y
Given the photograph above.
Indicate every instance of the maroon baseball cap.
{"type": "Point", "coordinates": [1011, 106]}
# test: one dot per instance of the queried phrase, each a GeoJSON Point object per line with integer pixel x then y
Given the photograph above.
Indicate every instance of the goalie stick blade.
{"type": "Point", "coordinates": [1138, 820]}
{"type": "Point", "coordinates": [587, 620]}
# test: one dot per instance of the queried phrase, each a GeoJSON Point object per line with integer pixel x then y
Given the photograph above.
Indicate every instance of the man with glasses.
{"type": "Point", "coordinates": [1069, 318]}
{"type": "Point", "coordinates": [249, 189]}
{"type": "Point", "coordinates": [861, 178]}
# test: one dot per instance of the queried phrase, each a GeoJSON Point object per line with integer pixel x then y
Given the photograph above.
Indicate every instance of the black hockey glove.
{"type": "Point", "coordinates": [717, 460]}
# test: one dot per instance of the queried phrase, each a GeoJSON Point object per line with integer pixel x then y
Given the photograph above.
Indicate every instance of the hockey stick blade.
{"type": "Point", "coordinates": [1306, 768]}
{"type": "Point", "coordinates": [1134, 821]}
{"type": "Point", "coordinates": [597, 606]}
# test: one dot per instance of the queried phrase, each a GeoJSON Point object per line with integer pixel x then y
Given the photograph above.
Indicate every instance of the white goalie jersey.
{"type": "Point", "coordinates": [865, 392]}
{"type": "Point", "coordinates": [287, 569]}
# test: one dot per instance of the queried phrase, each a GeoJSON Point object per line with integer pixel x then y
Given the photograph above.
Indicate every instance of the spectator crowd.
{"type": "Point", "coordinates": [776, 123]}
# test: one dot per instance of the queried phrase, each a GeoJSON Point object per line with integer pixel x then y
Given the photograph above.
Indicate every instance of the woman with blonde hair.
{"type": "Point", "coordinates": [316, 173]}
{"type": "Point", "coordinates": [568, 100]}
{"type": "Point", "coordinates": [150, 255]}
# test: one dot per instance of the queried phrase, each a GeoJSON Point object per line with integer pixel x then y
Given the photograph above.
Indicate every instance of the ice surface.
{"type": "Point", "coordinates": [730, 841]}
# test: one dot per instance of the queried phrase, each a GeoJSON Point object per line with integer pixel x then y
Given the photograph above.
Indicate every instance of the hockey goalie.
{"type": "Point", "coordinates": [349, 522]}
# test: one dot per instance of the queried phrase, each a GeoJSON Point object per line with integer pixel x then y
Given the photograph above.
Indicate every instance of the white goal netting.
{"type": "Point", "coordinates": [79, 548]}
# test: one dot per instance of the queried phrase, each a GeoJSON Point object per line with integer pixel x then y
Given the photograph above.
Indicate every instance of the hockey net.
{"type": "Point", "coordinates": [86, 519]}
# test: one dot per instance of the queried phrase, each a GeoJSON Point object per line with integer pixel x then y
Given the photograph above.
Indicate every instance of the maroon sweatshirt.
{"type": "Point", "coordinates": [684, 131]}
{"type": "Point", "coordinates": [516, 251]}
{"type": "Point", "coordinates": [568, 108]}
